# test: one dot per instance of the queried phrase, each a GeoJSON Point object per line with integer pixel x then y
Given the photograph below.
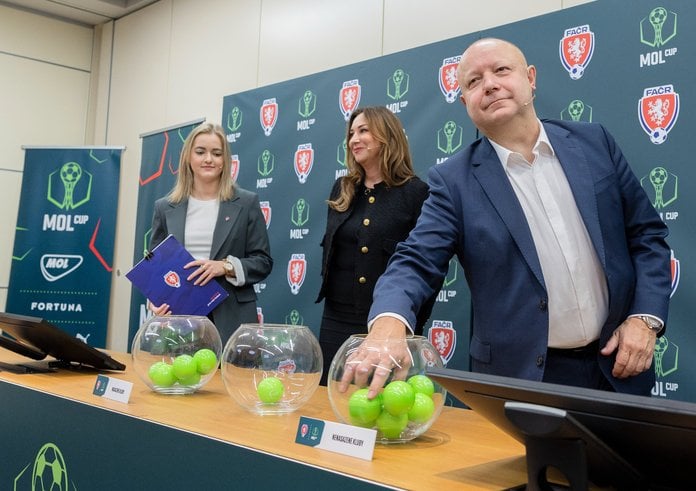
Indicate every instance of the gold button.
{"type": "Point", "coordinates": [362, 280]}
{"type": "Point", "coordinates": [364, 249]}
{"type": "Point", "coordinates": [366, 222]}
{"type": "Point", "coordinates": [371, 199]}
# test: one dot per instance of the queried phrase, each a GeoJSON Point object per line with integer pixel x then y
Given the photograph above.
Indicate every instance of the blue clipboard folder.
{"type": "Point", "coordinates": [161, 277]}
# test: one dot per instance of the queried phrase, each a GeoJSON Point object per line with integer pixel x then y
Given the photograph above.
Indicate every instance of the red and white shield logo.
{"type": "Point", "coordinates": [266, 210]}
{"type": "Point", "coordinates": [259, 315]}
{"type": "Point", "coordinates": [576, 49]}
{"type": "Point", "coordinates": [304, 159]}
{"type": "Point", "coordinates": [349, 97]}
{"type": "Point", "coordinates": [234, 167]}
{"type": "Point", "coordinates": [444, 338]}
{"type": "Point", "coordinates": [172, 279]}
{"type": "Point", "coordinates": [676, 272]}
{"type": "Point", "coordinates": [297, 266]}
{"type": "Point", "coordinates": [287, 366]}
{"type": "Point", "coordinates": [268, 115]}
{"type": "Point", "coordinates": [449, 86]}
{"type": "Point", "coordinates": [658, 110]}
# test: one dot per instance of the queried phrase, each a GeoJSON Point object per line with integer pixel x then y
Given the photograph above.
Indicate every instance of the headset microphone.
{"type": "Point", "coordinates": [529, 101]}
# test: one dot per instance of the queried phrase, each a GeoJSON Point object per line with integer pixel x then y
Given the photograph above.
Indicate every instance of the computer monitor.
{"type": "Point", "coordinates": [630, 442]}
{"type": "Point", "coordinates": [36, 338]}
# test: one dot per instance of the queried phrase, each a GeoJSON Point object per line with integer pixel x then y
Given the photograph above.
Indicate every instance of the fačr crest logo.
{"type": "Point", "coordinates": [349, 97]}
{"type": "Point", "coordinates": [268, 115]}
{"type": "Point", "coordinates": [444, 338]}
{"type": "Point", "coordinates": [297, 269]}
{"type": "Point", "coordinates": [658, 111]}
{"type": "Point", "coordinates": [304, 160]}
{"type": "Point", "coordinates": [576, 50]}
{"type": "Point", "coordinates": [172, 279]}
{"type": "Point", "coordinates": [676, 272]}
{"type": "Point", "coordinates": [447, 77]}
{"type": "Point", "coordinates": [266, 211]}
{"type": "Point", "coordinates": [234, 167]}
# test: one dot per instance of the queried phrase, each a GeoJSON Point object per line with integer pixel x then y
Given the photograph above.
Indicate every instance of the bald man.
{"type": "Point", "coordinates": [565, 256]}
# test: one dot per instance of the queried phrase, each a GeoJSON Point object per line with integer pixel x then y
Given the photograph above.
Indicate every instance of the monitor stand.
{"type": "Point", "coordinates": [568, 456]}
{"type": "Point", "coordinates": [554, 438]}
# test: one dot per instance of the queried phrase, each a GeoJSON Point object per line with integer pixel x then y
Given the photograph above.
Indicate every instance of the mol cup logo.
{"type": "Point", "coordinates": [450, 137]}
{"type": "Point", "coordinates": [266, 210]}
{"type": "Point", "coordinates": [304, 159]}
{"type": "Point", "coordinates": [658, 111]}
{"type": "Point", "coordinates": [349, 97]}
{"type": "Point", "coordinates": [297, 269]}
{"type": "Point", "coordinates": [662, 187]}
{"type": "Point", "coordinates": [56, 266]}
{"type": "Point", "coordinates": [307, 104]}
{"type": "Point", "coordinates": [675, 269]}
{"type": "Point", "coordinates": [69, 187]}
{"type": "Point", "coordinates": [172, 279]}
{"type": "Point", "coordinates": [576, 49]}
{"type": "Point", "coordinates": [234, 119]}
{"type": "Point", "coordinates": [265, 163]}
{"type": "Point", "coordinates": [577, 110]}
{"type": "Point", "coordinates": [658, 28]}
{"type": "Point", "coordinates": [299, 214]}
{"type": "Point", "coordinates": [268, 115]}
{"type": "Point", "coordinates": [234, 167]}
{"type": "Point", "coordinates": [397, 84]}
{"type": "Point", "coordinates": [294, 318]}
{"type": "Point", "coordinates": [447, 76]}
{"type": "Point", "coordinates": [444, 338]}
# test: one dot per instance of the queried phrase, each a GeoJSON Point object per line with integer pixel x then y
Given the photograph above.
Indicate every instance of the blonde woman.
{"type": "Point", "coordinates": [219, 223]}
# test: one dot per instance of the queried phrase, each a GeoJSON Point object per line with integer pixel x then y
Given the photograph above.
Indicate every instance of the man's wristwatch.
{"type": "Point", "coordinates": [229, 267]}
{"type": "Point", "coordinates": [652, 323]}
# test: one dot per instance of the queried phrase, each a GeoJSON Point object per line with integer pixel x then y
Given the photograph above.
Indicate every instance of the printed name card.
{"type": "Point", "coordinates": [336, 437]}
{"type": "Point", "coordinates": [112, 388]}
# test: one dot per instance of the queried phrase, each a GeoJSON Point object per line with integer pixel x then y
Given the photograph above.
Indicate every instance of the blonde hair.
{"type": "Point", "coordinates": [395, 166]}
{"type": "Point", "coordinates": [184, 180]}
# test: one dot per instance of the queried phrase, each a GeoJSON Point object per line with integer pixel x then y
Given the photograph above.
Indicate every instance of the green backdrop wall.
{"type": "Point", "coordinates": [625, 64]}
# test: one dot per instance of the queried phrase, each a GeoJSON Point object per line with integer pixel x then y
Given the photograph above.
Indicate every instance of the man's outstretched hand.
{"type": "Point", "coordinates": [383, 352]}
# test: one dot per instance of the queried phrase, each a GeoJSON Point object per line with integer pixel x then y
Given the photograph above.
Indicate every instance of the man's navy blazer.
{"type": "Point", "coordinates": [473, 213]}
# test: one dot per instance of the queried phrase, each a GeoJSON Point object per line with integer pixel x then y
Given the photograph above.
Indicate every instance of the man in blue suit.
{"type": "Point", "coordinates": [563, 252]}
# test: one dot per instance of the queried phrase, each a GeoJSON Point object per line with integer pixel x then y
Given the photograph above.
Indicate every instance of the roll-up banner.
{"type": "Point", "coordinates": [64, 242]}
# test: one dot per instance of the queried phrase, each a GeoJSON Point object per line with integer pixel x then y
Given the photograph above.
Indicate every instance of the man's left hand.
{"type": "Point", "coordinates": [635, 343]}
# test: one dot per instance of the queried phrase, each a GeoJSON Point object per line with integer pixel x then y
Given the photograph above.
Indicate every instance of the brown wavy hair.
{"type": "Point", "coordinates": [395, 166]}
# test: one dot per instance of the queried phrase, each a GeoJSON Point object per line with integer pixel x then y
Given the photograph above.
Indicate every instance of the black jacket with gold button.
{"type": "Point", "coordinates": [392, 213]}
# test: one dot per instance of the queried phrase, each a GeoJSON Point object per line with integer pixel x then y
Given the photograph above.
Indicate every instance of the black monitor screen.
{"type": "Point", "coordinates": [656, 437]}
{"type": "Point", "coordinates": [36, 338]}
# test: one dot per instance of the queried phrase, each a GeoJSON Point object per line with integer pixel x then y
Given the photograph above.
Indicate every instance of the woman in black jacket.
{"type": "Point", "coordinates": [371, 210]}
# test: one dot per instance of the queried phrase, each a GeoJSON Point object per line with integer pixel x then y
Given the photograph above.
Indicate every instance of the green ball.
{"type": "Point", "coordinates": [184, 366]}
{"type": "Point", "coordinates": [398, 397]}
{"type": "Point", "coordinates": [391, 426]}
{"type": "Point", "coordinates": [206, 361]}
{"type": "Point", "coordinates": [422, 410]}
{"type": "Point", "coordinates": [364, 411]}
{"type": "Point", "coordinates": [270, 390]}
{"type": "Point", "coordinates": [422, 384]}
{"type": "Point", "coordinates": [193, 379]}
{"type": "Point", "coordinates": [162, 374]}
